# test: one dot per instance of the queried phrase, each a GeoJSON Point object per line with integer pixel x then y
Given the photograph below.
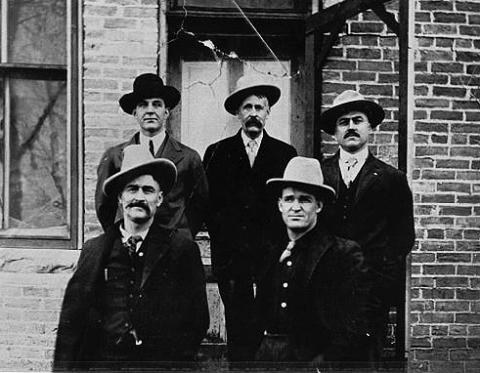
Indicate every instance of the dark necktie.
{"type": "Point", "coordinates": [131, 244]}
{"type": "Point", "coordinates": [151, 148]}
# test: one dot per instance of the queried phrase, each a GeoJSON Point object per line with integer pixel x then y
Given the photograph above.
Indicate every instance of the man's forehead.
{"type": "Point", "coordinates": [153, 99]}
{"type": "Point", "coordinates": [295, 191]}
{"type": "Point", "coordinates": [143, 180]}
{"type": "Point", "coordinates": [254, 99]}
{"type": "Point", "coordinates": [352, 114]}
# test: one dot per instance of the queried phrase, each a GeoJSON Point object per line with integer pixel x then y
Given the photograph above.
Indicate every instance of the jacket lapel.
{"type": "Point", "coordinates": [239, 152]}
{"type": "Point", "coordinates": [317, 244]}
{"type": "Point", "coordinates": [262, 160]}
{"type": "Point", "coordinates": [171, 150]}
{"type": "Point", "coordinates": [367, 177]}
{"type": "Point", "coordinates": [155, 247]}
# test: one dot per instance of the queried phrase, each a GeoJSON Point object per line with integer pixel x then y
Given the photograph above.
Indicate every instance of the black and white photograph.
{"type": "Point", "coordinates": [240, 185]}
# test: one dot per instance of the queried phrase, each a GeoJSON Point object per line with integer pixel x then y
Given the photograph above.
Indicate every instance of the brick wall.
{"type": "Point", "coordinates": [445, 291]}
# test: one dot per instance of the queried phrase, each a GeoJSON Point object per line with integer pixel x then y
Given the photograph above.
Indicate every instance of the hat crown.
{"type": "Point", "coordinates": [134, 156]}
{"type": "Point", "coordinates": [146, 82]}
{"type": "Point", "coordinates": [247, 81]}
{"type": "Point", "coordinates": [304, 170]}
{"type": "Point", "coordinates": [347, 96]}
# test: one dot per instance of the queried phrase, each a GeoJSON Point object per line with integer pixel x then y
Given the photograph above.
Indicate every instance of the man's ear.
{"type": "Point", "coordinates": [160, 198]}
{"type": "Point", "coordinates": [279, 203]}
{"type": "Point", "coordinates": [167, 112]}
{"type": "Point", "coordinates": [320, 206]}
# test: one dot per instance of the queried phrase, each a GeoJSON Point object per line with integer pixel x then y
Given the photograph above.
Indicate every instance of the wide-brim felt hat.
{"type": "Point", "coordinates": [346, 102]}
{"type": "Point", "coordinates": [138, 161]}
{"type": "Point", "coordinates": [149, 86]}
{"type": "Point", "coordinates": [303, 172]}
{"type": "Point", "coordinates": [247, 86]}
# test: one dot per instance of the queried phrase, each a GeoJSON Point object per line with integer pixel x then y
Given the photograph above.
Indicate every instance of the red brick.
{"type": "Point", "coordinates": [472, 270]}
{"type": "Point", "coordinates": [454, 257]}
{"type": "Point", "coordinates": [453, 187]}
{"type": "Point", "coordinates": [340, 65]}
{"type": "Point", "coordinates": [459, 139]}
{"type": "Point", "coordinates": [431, 127]}
{"type": "Point", "coordinates": [464, 105]}
{"type": "Point", "coordinates": [451, 282]}
{"type": "Point", "coordinates": [336, 87]}
{"type": "Point", "coordinates": [444, 42]}
{"type": "Point", "coordinates": [472, 234]}
{"type": "Point", "coordinates": [464, 151]}
{"type": "Point", "coordinates": [446, 115]}
{"type": "Point", "coordinates": [447, 67]}
{"type": "Point", "coordinates": [438, 174]}
{"type": "Point", "coordinates": [467, 318]}
{"type": "Point", "coordinates": [447, 367]}
{"type": "Point", "coordinates": [467, 6]}
{"type": "Point", "coordinates": [367, 27]}
{"type": "Point", "coordinates": [439, 29]}
{"type": "Point", "coordinates": [436, 318]}
{"type": "Point", "coordinates": [430, 151]}
{"type": "Point", "coordinates": [432, 102]}
{"type": "Point", "coordinates": [439, 330]}
{"type": "Point", "coordinates": [458, 211]}
{"type": "Point", "coordinates": [452, 163]}
{"type": "Point", "coordinates": [469, 30]}
{"type": "Point", "coordinates": [468, 294]}
{"type": "Point", "coordinates": [359, 76]}
{"type": "Point", "coordinates": [376, 90]}
{"type": "Point", "coordinates": [421, 342]}
{"type": "Point", "coordinates": [449, 17]}
{"type": "Point", "coordinates": [467, 56]}
{"type": "Point", "coordinates": [364, 53]}
{"type": "Point", "coordinates": [449, 342]}
{"type": "Point", "coordinates": [449, 306]}
{"type": "Point", "coordinates": [449, 92]}
{"type": "Point", "coordinates": [465, 80]}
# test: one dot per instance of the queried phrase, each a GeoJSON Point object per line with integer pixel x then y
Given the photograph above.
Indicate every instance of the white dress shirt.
{"type": "Point", "coordinates": [157, 140]}
{"type": "Point", "coordinates": [349, 175]}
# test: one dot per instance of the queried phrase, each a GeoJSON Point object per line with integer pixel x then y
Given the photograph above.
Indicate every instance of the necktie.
{"type": "Point", "coordinates": [151, 148]}
{"type": "Point", "coordinates": [131, 244]}
{"type": "Point", "coordinates": [287, 252]}
{"type": "Point", "coordinates": [351, 163]}
{"type": "Point", "coordinates": [251, 151]}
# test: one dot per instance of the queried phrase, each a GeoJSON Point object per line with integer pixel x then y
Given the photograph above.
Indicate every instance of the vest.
{"type": "Point", "coordinates": [120, 294]}
{"type": "Point", "coordinates": [345, 200]}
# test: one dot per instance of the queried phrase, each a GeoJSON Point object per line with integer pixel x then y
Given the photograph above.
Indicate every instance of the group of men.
{"type": "Point", "coordinates": [307, 262]}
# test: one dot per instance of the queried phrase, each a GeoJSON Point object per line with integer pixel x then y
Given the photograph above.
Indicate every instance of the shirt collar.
{"type": "Point", "coordinates": [247, 139]}
{"type": "Point", "coordinates": [126, 235]}
{"type": "Point", "coordinates": [360, 155]}
{"type": "Point", "coordinates": [157, 139]}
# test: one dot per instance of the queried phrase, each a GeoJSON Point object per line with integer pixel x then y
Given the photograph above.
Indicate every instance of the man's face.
{"type": "Point", "coordinates": [140, 199]}
{"type": "Point", "coordinates": [299, 209]}
{"type": "Point", "coordinates": [151, 115]}
{"type": "Point", "coordinates": [352, 131]}
{"type": "Point", "coordinates": [253, 112]}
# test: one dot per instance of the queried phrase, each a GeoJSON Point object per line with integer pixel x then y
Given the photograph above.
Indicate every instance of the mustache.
{"type": "Point", "coordinates": [140, 204]}
{"type": "Point", "coordinates": [351, 133]}
{"type": "Point", "coordinates": [253, 121]}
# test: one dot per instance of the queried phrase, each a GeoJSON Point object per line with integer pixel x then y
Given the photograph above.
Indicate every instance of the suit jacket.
{"type": "Point", "coordinates": [173, 309]}
{"type": "Point", "coordinates": [183, 207]}
{"type": "Point", "coordinates": [381, 219]}
{"type": "Point", "coordinates": [326, 298]}
{"type": "Point", "coordinates": [241, 208]}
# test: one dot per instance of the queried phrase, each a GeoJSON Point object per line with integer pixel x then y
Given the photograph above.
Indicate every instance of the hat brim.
{"type": "Point", "coordinates": [324, 192]}
{"type": "Point", "coordinates": [374, 112]}
{"type": "Point", "coordinates": [233, 101]}
{"type": "Point", "coordinates": [170, 95]}
{"type": "Point", "coordinates": [161, 169]}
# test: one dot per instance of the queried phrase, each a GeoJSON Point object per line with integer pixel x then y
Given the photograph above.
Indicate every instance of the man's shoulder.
{"type": "Point", "coordinates": [279, 144]}
{"type": "Point", "coordinates": [388, 169]}
{"type": "Point", "coordinates": [184, 148]}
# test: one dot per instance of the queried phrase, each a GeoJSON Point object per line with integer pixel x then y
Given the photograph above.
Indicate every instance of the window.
{"type": "Point", "coordinates": [38, 107]}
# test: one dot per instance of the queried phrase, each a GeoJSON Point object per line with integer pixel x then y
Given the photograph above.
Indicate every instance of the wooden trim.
{"type": "Point", "coordinates": [33, 71]}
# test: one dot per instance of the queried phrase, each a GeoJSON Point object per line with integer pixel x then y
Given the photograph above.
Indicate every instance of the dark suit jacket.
{"type": "Point", "coordinates": [327, 297]}
{"type": "Point", "coordinates": [241, 207]}
{"type": "Point", "coordinates": [174, 310]}
{"type": "Point", "coordinates": [381, 220]}
{"type": "Point", "coordinates": [183, 207]}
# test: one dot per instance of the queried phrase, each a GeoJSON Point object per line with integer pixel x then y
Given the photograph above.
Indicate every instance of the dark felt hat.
{"type": "Point", "coordinates": [138, 161]}
{"type": "Point", "coordinates": [149, 86]}
{"type": "Point", "coordinates": [346, 102]}
{"type": "Point", "coordinates": [247, 86]}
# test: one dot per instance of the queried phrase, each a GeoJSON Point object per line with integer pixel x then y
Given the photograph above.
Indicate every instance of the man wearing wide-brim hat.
{"type": "Point", "coordinates": [150, 103]}
{"type": "Point", "coordinates": [374, 204]}
{"type": "Point", "coordinates": [312, 288]}
{"type": "Point", "coordinates": [241, 212]}
{"type": "Point", "coordinates": [137, 297]}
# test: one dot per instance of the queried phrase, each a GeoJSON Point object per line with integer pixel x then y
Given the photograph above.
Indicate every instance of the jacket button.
{"type": "Point", "coordinates": [285, 284]}
{"type": "Point", "coordinates": [289, 263]}
{"type": "Point", "coordinates": [283, 305]}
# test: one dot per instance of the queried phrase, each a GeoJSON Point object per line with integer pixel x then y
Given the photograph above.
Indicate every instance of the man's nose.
{"type": "Point", "coordinates": [296, 205]}
{"type": "Point", "coordinates": [351, 123]}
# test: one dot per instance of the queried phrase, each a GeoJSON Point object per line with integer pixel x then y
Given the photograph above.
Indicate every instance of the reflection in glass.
{"type": "Point", "coordinates": [37, 31]}
{"type": "Point", "coordinates": [38, 191]}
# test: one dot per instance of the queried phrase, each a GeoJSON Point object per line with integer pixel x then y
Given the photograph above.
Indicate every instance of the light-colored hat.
{"type": "Point", "coordinates": [247, 85]}
{"type": "Point", "coordinates": [350, 101]}
{"type": "Point", "coordinates": [303, 171]}
{"type": "Point", "coordinates": [138, 161]}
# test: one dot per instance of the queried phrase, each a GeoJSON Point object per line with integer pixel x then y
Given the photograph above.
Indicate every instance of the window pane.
{"type": "Point", "coordinates": [38, 187]}
{"type": "Point", "coordinates": [37, 31]}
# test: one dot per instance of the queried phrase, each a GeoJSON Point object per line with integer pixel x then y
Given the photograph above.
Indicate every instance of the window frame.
{"type": "Point", "coordinates": [70, 73]}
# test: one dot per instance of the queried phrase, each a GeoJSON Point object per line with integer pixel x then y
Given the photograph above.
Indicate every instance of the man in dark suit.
{"type": "Point", "coordinates": [374, 203]}
{"type": "Point", "coordinates": [241, 211]}
{"type": "Point", "coordinates": [137, 297]}
{"type": "Point", "coordinates": [150, 103]}
{"type": "Point", "coordinates": [311, 294]}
